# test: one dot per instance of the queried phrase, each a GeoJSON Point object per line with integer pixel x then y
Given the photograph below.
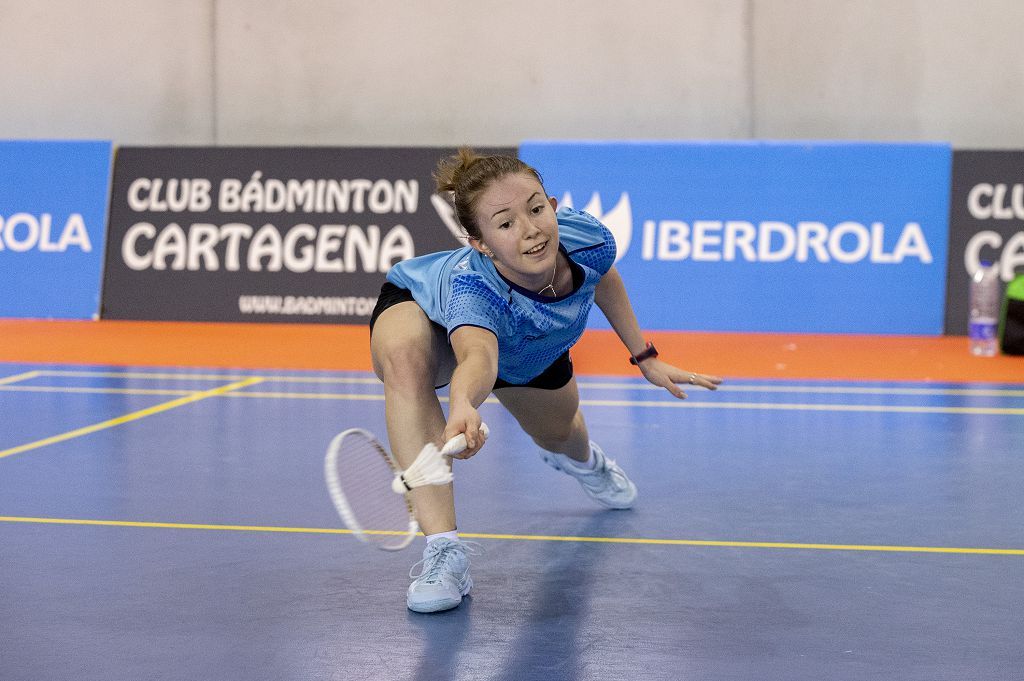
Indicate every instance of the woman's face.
{"type": "Point", "coordinates": [518, 229]}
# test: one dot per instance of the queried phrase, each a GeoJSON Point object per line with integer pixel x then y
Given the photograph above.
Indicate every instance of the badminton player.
{"type": "Point", "coordinates": [500, 315]}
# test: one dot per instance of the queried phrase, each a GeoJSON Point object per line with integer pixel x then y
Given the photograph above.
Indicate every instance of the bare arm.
{"type": "Point", "coordinates": [476, 354]}
{"type": "Point", "coordinates": [613, 300]}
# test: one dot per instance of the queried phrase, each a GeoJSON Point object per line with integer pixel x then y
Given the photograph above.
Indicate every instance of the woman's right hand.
{"type": "Point", "coordinates": [465, 418]}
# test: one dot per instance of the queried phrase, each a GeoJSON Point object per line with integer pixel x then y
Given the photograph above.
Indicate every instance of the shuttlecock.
{"type": "Point", "coordinates": [430, 468]}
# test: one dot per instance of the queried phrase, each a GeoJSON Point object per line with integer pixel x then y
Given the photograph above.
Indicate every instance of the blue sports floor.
{"type": "Point", "coordinates": [174, 524]}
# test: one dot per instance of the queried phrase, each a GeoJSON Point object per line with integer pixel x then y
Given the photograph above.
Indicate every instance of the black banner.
{"type": "Point", "coordinates": [986, 224]}
{"type": "Point", "coordinates": [267, 234]}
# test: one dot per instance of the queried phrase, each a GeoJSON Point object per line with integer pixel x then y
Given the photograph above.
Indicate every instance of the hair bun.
{"type": "Point", "coordinates": [466, 174]}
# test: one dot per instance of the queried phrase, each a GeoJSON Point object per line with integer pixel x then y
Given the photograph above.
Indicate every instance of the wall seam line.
{"type": "Point", "coordinates": [751, 73]}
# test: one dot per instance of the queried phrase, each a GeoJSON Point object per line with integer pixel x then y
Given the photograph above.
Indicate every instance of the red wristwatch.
{"type": "Point", "coordinates": [646, 353]}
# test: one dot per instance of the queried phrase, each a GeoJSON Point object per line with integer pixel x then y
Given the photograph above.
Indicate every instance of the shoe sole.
{"type": "Point", "coordinates": [439, 604]}
{"type": "Point", "coordinates": [624, 506]}
{"type": "Point", "coordinates": [434, 606]}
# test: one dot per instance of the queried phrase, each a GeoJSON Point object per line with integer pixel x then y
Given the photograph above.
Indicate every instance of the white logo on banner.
{"type": "Point", "coordinates": [234, 246]}
{"type": "Point", "coordinates": [446, 212]}
{"type": "Point", "coordinates": [998, 201]}
{"type": "Point", "coordinates": [23, 232]}
{"type": "Point", "coordinates": [619, 220]}
{"type": "Point", "coordinates": [768, 241]}
{"type": "Point", "coordinates": [301, 248]}
{"type": "Point", "coordinates": [990, 202]}
{"type": "Point", "coordinates": [846, 242]}
{"type": "Point", "coordinates": [771, 241]}
{"type": "Point", "coordinates": [1010, 258]}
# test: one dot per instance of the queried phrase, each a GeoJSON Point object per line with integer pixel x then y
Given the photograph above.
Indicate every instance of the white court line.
{"type": "Point", "coordinates": [583, 384]}
{"type": "Point", "coordinates": [827, 390]}
{"type": "Point", "coordinates": [207, 377]}
{"type": "Point", "coordinates": [656, 404]}
{"type": "Point", "coordinates": [91, 391]}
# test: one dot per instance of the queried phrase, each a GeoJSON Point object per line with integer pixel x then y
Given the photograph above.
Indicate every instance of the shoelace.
{"type": "Point", "coordinates": [437, 556]}
{"type": "Point", "coordinates": [617, 476]}
{"type": "Point", "coordinates": [613, 473]}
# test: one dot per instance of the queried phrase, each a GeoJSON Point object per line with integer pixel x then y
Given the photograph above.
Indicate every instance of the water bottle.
{"type": "Point", "coordinates": [984, 303]}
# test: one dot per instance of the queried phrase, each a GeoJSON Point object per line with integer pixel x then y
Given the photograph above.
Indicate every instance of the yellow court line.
{"type": "Point", "coordinates": [134, 416]}
{"type": "Point", "coordinates": [751, 544]}
{"type": "Point", "coordinates": [534, 537]}
{"type": "Point", "coordinates": [19, 377]}
{"type": "Point", "coordinates": [584, 384]}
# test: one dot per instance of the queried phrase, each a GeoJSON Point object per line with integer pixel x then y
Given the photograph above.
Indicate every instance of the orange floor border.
{"type": "Point", "coordinates": [338, 347]}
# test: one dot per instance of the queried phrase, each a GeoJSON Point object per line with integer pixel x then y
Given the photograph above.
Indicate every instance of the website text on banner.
{"type": "Point", "coordinates": [767, 237]}
{"type": "Point", "coordinates": [53, 217]}
{"type": "Point", "coordinates": [986, 225]}
{"type": "Point", "coordinates": [267, 234]}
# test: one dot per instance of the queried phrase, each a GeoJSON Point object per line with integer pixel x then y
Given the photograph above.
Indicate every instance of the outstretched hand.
{"type": "Point", "coordinates": [670, 378]}
{"type": "Point", "coordinates": [465, 419]}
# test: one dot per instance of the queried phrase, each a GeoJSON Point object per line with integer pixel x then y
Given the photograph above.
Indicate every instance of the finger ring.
{"type": "Point", "coordinates": [692, 379]}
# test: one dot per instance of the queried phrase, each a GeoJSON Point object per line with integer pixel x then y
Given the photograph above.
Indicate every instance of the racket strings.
{"type": "Point", "coordinates": [365, 472]}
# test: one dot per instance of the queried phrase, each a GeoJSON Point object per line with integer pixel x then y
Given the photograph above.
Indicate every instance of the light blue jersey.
{"type": "Point", "coordinates": [462, 287]}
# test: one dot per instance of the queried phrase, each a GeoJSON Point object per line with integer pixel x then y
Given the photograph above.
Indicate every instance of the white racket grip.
{"type": "Point", "coordinates": [430, 467]}
{"type": "Point", "coordinates": [457, 444]}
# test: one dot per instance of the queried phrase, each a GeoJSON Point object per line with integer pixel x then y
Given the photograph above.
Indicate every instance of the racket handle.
{"type": "Point", "coordinates": [457, 444]}
{"type": "Point", "coordinates": [430, 466]}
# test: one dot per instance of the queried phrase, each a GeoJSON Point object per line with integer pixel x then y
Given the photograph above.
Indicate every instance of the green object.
{"type": "Point", "coordinates": [1011, 319]}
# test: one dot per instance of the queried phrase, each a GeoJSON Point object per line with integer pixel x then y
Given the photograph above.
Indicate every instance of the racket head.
{"type": "Point", "coordinates": [359, 470]}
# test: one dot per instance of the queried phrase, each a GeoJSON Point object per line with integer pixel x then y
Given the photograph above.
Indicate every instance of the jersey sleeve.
{"type": "Point", "coordinates": [472, 302]}
{"type": "Point", "coordinates": [587, 241]}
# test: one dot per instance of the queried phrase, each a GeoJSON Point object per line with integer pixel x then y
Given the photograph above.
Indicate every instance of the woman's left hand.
{"type": "Point", "coordinates": [669, 377]}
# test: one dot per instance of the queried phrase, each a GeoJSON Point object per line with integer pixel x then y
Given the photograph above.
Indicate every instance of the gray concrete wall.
{"type": "Point", "coordinates": [340, 72]}
{"type": "Point", "coordinates": [890, 70]}
{"type": "Point", "coordinates": [130, 71]}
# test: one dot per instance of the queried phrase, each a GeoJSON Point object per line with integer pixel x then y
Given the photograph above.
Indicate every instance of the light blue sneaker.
{"type": "Point", "coordinates": [606, 484]}
{"type": "Point", "coordinates": [444, 577]}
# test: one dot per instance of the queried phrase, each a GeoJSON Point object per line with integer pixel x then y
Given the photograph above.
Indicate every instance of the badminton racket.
{"type": "Point", "coordinates": [368, 487]}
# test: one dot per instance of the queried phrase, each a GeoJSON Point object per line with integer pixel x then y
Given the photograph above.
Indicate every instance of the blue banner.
{"type": "Point", "coordinates": [767, 237]}
{"type": "Point", "coordinates": [53, 217]}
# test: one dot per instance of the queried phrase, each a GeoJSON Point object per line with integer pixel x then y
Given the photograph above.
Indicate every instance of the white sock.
{"type": "Point", "coordinates": [453, 535]}
{"type": "Point", "coordinates": [587, 465]}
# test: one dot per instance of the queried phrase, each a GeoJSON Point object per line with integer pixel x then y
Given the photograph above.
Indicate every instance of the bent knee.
{"type": "Point", "coordinates": [552, 434]}
{"type": "Point", "coordinates": [404, 365]}
{"type": "Point", "coordinates": [406, 347]}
